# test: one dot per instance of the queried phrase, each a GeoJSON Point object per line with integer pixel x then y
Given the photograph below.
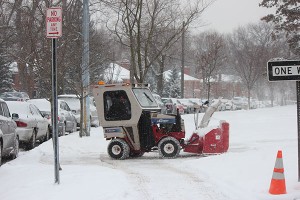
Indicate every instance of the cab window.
{"type": "Point", "coordinates": [116, 106]}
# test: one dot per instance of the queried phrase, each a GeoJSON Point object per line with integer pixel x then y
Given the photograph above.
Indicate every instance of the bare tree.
{"type": "Point", "coordinates": [249, 47]}
{"type": "Point", "coordinates": [210, 54]}
{"type": "Point", "coordinates": [139, 23]}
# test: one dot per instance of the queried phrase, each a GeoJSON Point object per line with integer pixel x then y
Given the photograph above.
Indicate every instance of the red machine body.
{"type": "Point", "coordinates": [214, 142]}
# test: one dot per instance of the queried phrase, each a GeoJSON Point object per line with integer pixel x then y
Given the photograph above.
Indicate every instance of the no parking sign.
{"type": "Point", "coordinates": [54, 22]}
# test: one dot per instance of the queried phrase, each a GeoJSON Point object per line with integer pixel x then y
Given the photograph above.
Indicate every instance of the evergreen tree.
{"type": "Point", "coordinates": [6, 80]}
{"type": "Point", "coordinates": [151, 79]}
{"type": "Point", "coordinates": [172, 87]}
{"type": "Point", "coordinates": [286, 18]}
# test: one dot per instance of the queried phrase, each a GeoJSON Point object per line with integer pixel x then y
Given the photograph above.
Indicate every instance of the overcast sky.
{"type": "Point", "coordinates": [226, 15]}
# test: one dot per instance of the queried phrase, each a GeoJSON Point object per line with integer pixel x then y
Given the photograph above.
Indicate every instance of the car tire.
{"type": "Point", "coordinates": [32, 142]}
{"type": "Point", "coordinates": [118, 149]}
{"type": "Point", "coordinates": [74, 129]}
{"type": "Point", "coordinates": [16, 149]}
{"type": "Point", "coordinates": [63, 130]}
{"type": "Point", "coordinates": [47, 136]}
{"type": "Point", "coordinates": [168, 147]}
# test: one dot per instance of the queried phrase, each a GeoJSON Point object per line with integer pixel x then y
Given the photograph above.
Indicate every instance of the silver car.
{"type": "Point", "coordinates": [31, 125]}
{"type": "Point", "coordinates": [66, 119]}
{"type": "Point", "coordinates": [74, 103]}
{"type": "Point", "coordinates": [9, 139]}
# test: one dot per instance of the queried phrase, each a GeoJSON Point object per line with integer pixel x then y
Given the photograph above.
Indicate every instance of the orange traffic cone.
{"type": "Point", "coordinates": [278, 181]}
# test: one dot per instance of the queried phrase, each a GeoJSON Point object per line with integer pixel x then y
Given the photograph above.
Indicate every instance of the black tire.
{"type": "Point", "coordinates": [32, 142]}
{"type": "Point", "coordinates": [168, 147]}
{"type": "Point", "coordinates": [47, 136]}
{"type": "Point", "coordinates": [63, 130]}
{"type": "Point", "coordinates": [118, 149]}
{"type": "Point", "coordinates": [16, 149]}
{"type": "Point", "coordinates": [74, 129]}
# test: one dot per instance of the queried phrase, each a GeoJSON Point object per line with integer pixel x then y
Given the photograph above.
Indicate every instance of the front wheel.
{"type": "Point", "coordinates": [118, 149]}
{"type": "Point", "coordinates": [168, 147]}
{"type": "Point", "coordinates": [47, 135]}
{"type": "Point", "coordinates": [16, 149]}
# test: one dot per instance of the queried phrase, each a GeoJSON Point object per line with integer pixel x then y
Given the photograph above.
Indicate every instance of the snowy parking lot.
{"type": "Point", "coordinates": [244, 172]}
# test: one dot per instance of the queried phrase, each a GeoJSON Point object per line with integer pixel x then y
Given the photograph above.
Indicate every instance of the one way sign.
{"type": "Point", "coordinates": [284, 70]}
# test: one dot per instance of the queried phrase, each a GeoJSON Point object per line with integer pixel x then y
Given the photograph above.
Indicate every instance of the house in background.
{"type": "Point", "coordinates": [192, 85]}
{"type": "Point", "coordinates": [226, 86]}
{"type": "Point", "coordinates": [118, 74]}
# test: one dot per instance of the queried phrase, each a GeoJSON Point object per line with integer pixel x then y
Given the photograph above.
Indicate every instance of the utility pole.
{"type": "Point", "coordinates": [182, 62]}
{"type": "Point", "coordinates": [85, 68]}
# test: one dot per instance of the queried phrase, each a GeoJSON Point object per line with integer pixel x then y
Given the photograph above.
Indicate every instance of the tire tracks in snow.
{"type": "Point", "coordinates": [156, 178]}
{"type": "Point", "coordinates": [138, 179]}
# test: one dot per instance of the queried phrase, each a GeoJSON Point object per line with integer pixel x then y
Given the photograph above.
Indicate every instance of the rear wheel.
{"type": "Point", "coordinates": [47, 136]}
{"type": "Point", "coordinates": [32, 141]}
{"type": "Point", "coordinates": [63, 130]}
{"type": "Point", "coordinates": [118, 149]}
{"type": "Point", "coordinates": [168, 147]}
{"type": "Point", "coordinates": [74, 128]}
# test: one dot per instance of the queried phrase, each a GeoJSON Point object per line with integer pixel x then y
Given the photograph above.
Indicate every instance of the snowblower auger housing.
{"type": "Point", "coordinates": [131, 120]}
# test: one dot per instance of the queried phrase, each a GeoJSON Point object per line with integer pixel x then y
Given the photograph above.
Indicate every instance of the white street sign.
{"type": "Point", "coordinates": [286, 70]}
{"type": "Point", "coordinates": [283, 70]}
{"type": "Point", "coordinates": [54, 22]}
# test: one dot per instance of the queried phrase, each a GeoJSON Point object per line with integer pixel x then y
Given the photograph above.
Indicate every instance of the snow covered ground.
{"type": "Point", "coordinates": [243, 173]}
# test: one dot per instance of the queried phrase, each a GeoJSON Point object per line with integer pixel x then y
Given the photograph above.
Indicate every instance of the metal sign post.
{"type": "Point", "coordinates": [55, 112]}
{"type": "Point", "coordinates": [54, 30]}
{"type": "Point", "coordinates": [288, 70]}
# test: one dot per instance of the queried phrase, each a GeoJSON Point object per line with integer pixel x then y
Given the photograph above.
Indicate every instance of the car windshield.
{"type": "Point", "coordinates": [144, 97]}
{"type": "Point", "coordinates": [42, 104]}
{"type": "Point", "coordinates": [18, 107]}
{"type": "Point", "coordinates": [73, 102]}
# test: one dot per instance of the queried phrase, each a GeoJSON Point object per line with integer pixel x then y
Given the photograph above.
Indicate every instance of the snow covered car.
{"type": "Point", "coordinates": [66, 119]}
{"type": "Point", "coordinates": [187, 105]}
{"type": "Point", "coordinates": [74, 103]}
{"type": "Point", "coordinates": [230, 106]}
{"type": "Point", "coordinates": [31, 125]}
{"type": "Point", "coordinates": [239, 102]}
{"type": "Point", "coordinates": [9, 138]}
{"type": "Point", "coordinates": [14, 96]}
{"type": "Point", "coordinates": [172, 104]}
{"type": "Point", "coordinates": [160, 103]}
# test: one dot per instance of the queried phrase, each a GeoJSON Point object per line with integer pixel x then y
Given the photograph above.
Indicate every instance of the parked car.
{"type": "Point", "coordinates": [14, 96]}
{"type": "Point", "coordinates": [222, 106]}
{"type": "Point", "coordinates": [230, 106]}
{"type": "Point", "coordinates": [253, 103]}
{"type": "Point", "coordinates": [172, 105]}
{"type": "Point", "coordinates": [31, 125]}
{"type": "Point", "coordinates": [238, 102]}
{"type": "Point", "coordinates": [160, 103]}
{"type": "Point", "coordinates": [9, 138]}
{"type": "Point", "coordinates": [74, 103]}
{"type": "Point", "coordinates": [187, 105]}
{"type": "Point", "coordinates": [198, 104]}
{"type": "Point", "coordinates": [66, 120]}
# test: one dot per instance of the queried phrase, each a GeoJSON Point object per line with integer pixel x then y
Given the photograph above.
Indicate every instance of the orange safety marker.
{"type": "Point", "coordinates": [277, 185]}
